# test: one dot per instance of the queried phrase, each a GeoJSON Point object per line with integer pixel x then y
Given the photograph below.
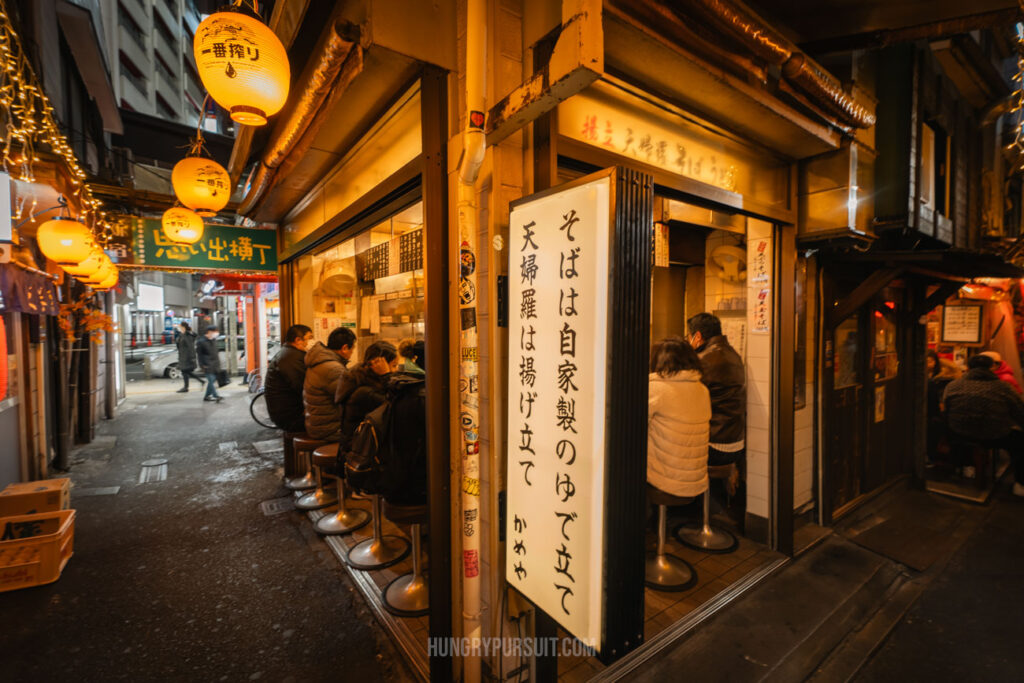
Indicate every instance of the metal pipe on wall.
{"type": "Point", "coordinates": [110, 388]}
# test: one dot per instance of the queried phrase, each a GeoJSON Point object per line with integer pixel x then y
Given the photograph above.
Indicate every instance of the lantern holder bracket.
{"type": "Point", "coordinates": [62, 204]}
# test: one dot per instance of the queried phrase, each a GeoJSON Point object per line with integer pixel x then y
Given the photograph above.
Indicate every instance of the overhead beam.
{"type": "Point", "coordinates": [873, 284]}
{"type": "Point", "coordinates": [938, 297]}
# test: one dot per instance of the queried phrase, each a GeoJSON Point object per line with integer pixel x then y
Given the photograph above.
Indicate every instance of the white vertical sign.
{"type": "Point", "coordinates": [558, 340]}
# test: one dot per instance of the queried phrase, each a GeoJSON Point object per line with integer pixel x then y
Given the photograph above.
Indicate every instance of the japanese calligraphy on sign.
{"type": "Point", "coordinates": [558, 289]}
{"type": "Point", "coordinates": [222, 247]}
{"type": "Point", "coordinates": [618, 122]}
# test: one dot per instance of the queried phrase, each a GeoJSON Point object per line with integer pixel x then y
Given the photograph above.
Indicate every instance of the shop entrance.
{"type": "Point", "coordinates": [867, 439]}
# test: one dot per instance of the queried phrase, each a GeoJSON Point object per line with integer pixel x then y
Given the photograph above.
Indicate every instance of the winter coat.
{"type": "Point", "coordinates": [980, 406]}
{"type": "Point", "coordinates": [678, 427]}
{"type": "Point", "coordinates": [725, 379]}
{"type": "Point", "coordinates": [208, 356]}
{"type": "Point", "coordinates": [359, 393]}
{"type": "Point", "coordinates": [187, 351]}
{"type": "Point", "coordinates": [324, 370]}
{"type": "Point", "coordinates": [1005, 373]}
{"type": "Point", "coordinates": [286, 373]}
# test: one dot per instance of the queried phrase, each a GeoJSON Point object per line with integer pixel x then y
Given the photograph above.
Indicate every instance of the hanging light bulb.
{"type": "Point", "coordinates": [242, 64]}
{"type": "Point", "coordinates": [181, 225]}
{"type": "Point", "coordinates": [201, 184]}
{"type": "Point", "coordinates": [89, 265]}
{"type": "Point", "coordinates": [65, 241]}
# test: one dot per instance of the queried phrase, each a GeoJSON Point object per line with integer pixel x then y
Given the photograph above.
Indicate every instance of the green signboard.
{"type": "Point", "coordinates": [222, 247]}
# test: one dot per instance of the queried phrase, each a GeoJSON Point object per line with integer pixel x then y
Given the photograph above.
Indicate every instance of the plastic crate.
{"type": "Point", "coordinates": [37, 548]}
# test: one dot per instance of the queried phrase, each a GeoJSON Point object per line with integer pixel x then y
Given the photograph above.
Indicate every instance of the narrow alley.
{"type": "Point", "coordinates": [177, 574]}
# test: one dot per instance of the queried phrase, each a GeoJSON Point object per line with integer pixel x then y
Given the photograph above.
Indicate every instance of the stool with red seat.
{"type": "Point", "coordinates": [344, 520]}
{"type": "Point", "coordinates": [701, 535]}
{"type": "Point", "coordinates": [665, 572]}
{"type": "Point", "coordinates": [318, 497]}
{"type": "Point", "coordinates": [304, 445]}
{"type": "Point", "coordinates": [407, 595]}
{"type": "Point", "coordinates": [378, 551]}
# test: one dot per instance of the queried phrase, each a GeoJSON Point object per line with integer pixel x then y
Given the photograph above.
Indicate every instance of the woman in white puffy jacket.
{"type": "Point", "coordinates": [678, 420]}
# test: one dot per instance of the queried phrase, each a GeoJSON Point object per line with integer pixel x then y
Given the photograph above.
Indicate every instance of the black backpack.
{"type": "Point", "coordinates": [362, 462]}
{"type": "Point", "coordinates": [388, 452]}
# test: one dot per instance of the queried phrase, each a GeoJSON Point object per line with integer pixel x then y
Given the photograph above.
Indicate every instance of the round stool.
{"type": "Point", "coordinates": [291, 463]}
{"type": "Point", "coordinates": [378, 551]}
{"type": "Point", "coordinates": [407, 595]}
{"type": "Point", "coordinates": [304, 446]}
{"type": "Point", "coordinates": [665, 572]}
{"type": "Point", "coordinates": [703, 536]}
{"type": "Point", "coordinates": [320, 497]}
{"type": "Point", "coordinates": [344, 520]}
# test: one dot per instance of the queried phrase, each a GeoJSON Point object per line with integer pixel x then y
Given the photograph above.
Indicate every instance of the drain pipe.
{"type": "Point", "coordinates": [474, 147]}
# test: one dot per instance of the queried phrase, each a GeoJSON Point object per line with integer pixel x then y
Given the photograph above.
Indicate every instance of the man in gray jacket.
{"type": "Point", "coordinates": [325, 366]}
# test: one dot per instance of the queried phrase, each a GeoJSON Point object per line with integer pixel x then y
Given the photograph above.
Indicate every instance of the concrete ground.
{"type": "Point", "coordinates": [186, 578]}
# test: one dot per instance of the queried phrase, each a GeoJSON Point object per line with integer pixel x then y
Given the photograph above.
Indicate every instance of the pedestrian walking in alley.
{"type": "Point", "coordinates": [209, 363]}
{"type": "Point", "coordinates": [325, 367]}
{"type": "Point", "coordinates": [983, 409]}
{"type": "Point", "coordinates": [286, 375]}
{"type": "Point", "coordinates": [187, 362]}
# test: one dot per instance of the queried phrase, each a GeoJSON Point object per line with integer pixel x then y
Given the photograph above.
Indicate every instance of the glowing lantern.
{"type": "Point", "coordinates": [89, 265]}
{"type": "Point", "coordinates": [105, 270]}
{"type": "Point", "coordinates": [65, 241]}
{"type": "Point", "coordinates": [109, 282]}
{"type": "Point", "coordinates": [243, 65]}
{"type": "Point", "coordinates": [181, 225]}
{"type": "Point", "coordinates": [201, 184]}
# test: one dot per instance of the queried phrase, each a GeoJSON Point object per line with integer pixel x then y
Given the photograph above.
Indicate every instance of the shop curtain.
{"type": "Point", "coordinates": [25, 292]}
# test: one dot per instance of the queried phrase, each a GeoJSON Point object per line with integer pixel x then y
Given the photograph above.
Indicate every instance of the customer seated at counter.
{"type": "Point", "coordinates": [364, 388]}
{"type": "Point", "coordinates": [325, 367]}
{"type": "Point", "coordinates": [723, 375]}
{"type": "Point", "coordinates": [678, 420]}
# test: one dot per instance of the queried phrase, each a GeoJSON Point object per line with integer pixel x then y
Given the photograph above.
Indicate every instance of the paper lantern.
{"type": "Point", "coordinates": [243, 66]}
{"type": "Point", "coordinates": [89, 265]}
{"type": "Point", "coordinates": [110, 282]}
{"type": "Point", "coordinates": [182, 226]}
{"type": "Point", "coordinates": [201, 184]}
{"type": "Point", "coordinates": [65, 241]}
{"type": "Point", "coordinates": [106, 269]}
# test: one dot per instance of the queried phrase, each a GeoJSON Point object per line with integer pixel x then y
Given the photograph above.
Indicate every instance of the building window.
{"type": "Point", "coordinates": [164, 69]}
{"type": "Point", "coordinates": [936, 169]}
{"type": "Point", "coordinates": [165, 108]}
{"type": "Point", "coordinates": [164, 32]}
{"type": "Point", "coordinates": [124, 20]}
{"type": "Point", "coordinates": [132, 73]}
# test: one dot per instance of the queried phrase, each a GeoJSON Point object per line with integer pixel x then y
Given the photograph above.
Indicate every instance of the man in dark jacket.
{"type": "Point", "coordinates": [725, 379]}
{"type": "Point", "coordinates": [325, 366]}
{"type": "Point", "coordinates": [286, 374]}
{"type": "Point", "coordinates": [209, 363]}
{"type": "Point", "coordinates": [982, 408]}
{"type": "Point", "coordinates": [186, 354]}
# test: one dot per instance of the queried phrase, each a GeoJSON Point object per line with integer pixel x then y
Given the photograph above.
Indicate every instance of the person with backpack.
{"type": "Point", "coordinates": [364, 388]}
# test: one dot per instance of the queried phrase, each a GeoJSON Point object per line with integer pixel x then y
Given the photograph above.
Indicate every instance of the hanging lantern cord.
{"type": "Point", "coordinates": [62, 204]}
{"type": "Point", "coordinates": [198, 148]}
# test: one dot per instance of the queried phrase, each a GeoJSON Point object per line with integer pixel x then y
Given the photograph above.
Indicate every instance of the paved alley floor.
{"type": "Point", "coordinates": [185, 578]}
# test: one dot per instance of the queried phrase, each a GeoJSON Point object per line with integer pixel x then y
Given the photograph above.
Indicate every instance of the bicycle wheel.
{"type": "Point", "coordinates": [259, 412]}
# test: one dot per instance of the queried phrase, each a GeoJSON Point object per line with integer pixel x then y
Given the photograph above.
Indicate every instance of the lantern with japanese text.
{"type": "Point", "coordinates": [109, 283]}
{"type": "Point", "coordinates": [201, 184]}
{"type": "Point", "coordinates": [182, 226]}
{"type": "Point", "coordinates": [65, 241]}
{"type": "Point", "coordinates": [89, 265]}
{"type": "Point", "coordinates": [242, 64]}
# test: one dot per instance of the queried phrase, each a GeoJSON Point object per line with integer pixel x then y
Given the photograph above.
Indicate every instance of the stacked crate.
{"type": "Point", "coordinates": [37, 531]}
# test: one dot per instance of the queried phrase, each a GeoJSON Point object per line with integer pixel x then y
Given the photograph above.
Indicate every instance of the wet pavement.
{"type": "Point", "coordinates": [184, 576]}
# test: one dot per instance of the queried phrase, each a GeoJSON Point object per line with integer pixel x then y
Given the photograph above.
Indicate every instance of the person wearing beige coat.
{"type": "Point", "coordinates": [678, 421]}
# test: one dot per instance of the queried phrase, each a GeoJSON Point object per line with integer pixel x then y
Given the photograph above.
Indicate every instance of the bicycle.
{"type": "Point", "coordinates": [258, 409]}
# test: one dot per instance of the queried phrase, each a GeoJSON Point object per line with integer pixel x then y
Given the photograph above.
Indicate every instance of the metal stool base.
{"type": "Point", "coordinates": [316, 500]}
{"type": "Point", "coordinates": [301, 483]}
{"type": "Point", "coordinates": [342, 522]}
{"type": "Point", "coordinates": [406, 596]}
{"type": "Point", "coordinates": [706, 538]}
{"type": "Point", "coordinates": [668, 573]}
{"type": "Point", "coordinates": [377, 554]}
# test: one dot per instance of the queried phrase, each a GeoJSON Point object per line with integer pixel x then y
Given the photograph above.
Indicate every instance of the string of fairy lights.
{"type": "Point", "coordinates": [28, 124]}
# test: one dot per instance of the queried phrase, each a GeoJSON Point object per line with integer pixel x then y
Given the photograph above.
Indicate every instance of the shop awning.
{"type": "Point", "coordinates": [80, 26]}
{"type": "Point", "coordinates": [951, 268]}
{"type": "Point", "coordinates": [24, 291]}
